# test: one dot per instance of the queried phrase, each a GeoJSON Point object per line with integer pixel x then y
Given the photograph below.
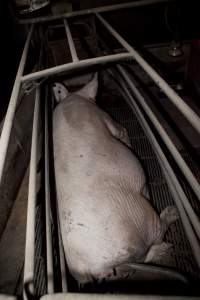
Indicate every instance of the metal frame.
{"type": "Point", "coordinates": [101, 9]}
{"type": "Point", "coordinates": [188, 113]}
{"type": "Point", "coordinates": [189, 219]}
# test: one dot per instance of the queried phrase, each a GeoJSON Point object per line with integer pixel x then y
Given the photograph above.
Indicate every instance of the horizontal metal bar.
{"type": "Point", "coordinates": [185, 109]}
{"type": "Point", "coordinates": [31, 208]}
{"type": "Point", "coordinates": [106, 8]}
{"type": "Point", "coordinates": [76, 65]}
{"type": "Point", "coordinates": [70, 41]}
{"type": "Point", "coordinates": [9, 118]}
{"type": "Point", "coordinates": [93, 296]}
{"type": "Point", "coordinates": [171, 179]}
{"type": "Point", "coordinates": [171, 147]}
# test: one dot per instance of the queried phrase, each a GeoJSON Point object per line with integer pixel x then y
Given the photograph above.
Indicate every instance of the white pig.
{"type": "Point", "coordinates": [104, 216]}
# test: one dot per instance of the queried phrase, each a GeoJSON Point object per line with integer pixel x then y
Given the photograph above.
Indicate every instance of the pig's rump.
{"type": "Point", "coordinates": [104, 219]}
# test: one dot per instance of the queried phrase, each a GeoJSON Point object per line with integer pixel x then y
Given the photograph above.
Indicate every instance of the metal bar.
{"type": "Point", "coordinates": [31, 209]}
{"type": "Point", "coordinates": [62, 258]}
{"type": "Point", "coordinates": [50, 273]}
{"type": "Point", "coordinates": [170, 178]}
{"type": "Point", "coordinates": [106, 8]}
{"type": "Point", "coordinates": [70, 41]}
{"type": "Point", "coordinates": [188, 113]}
{"type": "Point", "coordinates": [61, 249]}
{"type": "Point", "coordinates": [76, 65]}
{"type": "Point", "coordinates": [8, 122]}
{"type": "Point", "coordinates": [174, 152]}
{"type": "Point", "coordinates": [101, 296]}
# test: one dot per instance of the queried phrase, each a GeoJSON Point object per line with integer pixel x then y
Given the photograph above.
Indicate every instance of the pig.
{"type": "Point", "coordinates": [105, 216]}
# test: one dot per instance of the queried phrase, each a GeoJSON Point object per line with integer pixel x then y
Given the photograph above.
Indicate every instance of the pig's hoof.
{"type": "Point", "coordinates": [145, 192]}
{"type": "Point", "coordinates": [169, 215]}
{"type": "Point", "coordinates": [158, 253]}
{"type": "Point", "coordinates": [123, 136]}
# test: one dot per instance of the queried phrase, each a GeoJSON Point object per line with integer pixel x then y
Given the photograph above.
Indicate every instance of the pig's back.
{"type": "Point", "coordinates": [98, 179]}
{"type": "Point", "coordinates": [84, 147]}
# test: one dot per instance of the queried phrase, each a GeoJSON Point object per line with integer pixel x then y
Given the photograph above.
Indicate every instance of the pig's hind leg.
{"type": "Point", "coordinates": [160, 251]}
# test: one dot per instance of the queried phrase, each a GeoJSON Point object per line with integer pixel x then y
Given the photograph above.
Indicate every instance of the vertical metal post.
{"type": "Point", "coordinates": [70, 41]}
{"type": "Point", "coordinates": [188, 113]}
{"type": "Point", "coordinates": [50, 273]}
{"type": "Point", "coordinates": [8, 122]}
{"type": "Point", "coordinates": [31, 208]}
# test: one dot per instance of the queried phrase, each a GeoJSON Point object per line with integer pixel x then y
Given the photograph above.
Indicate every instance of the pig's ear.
{"type": "Point", "coordinates": [89, 91]}
{"type": "Point", "coordinates": [60, 91]}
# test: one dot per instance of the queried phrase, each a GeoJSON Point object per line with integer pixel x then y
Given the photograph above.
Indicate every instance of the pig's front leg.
{"type": "Point", "coordinates": [117, 130]}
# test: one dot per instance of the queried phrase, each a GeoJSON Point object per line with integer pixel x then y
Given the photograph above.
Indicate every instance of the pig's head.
{"type": "Point", "coordinates": [89, 91]}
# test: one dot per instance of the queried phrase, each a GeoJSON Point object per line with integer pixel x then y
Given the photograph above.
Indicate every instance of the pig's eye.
{"type": "Point", "coordinates": [59, 92]}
